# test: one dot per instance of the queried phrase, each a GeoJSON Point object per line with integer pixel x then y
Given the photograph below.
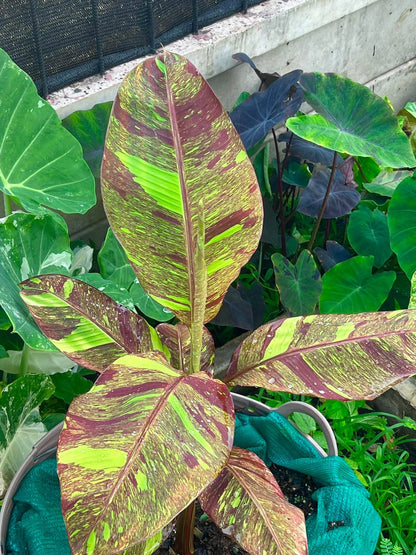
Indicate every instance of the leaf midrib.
{"type": "Point", "coordinates": [294, 352]}
{"type": "Point", "coordinates": [187, 235]}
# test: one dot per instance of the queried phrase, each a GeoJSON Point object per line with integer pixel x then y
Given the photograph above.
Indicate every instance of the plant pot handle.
{"type": "Point", "coordinates": [43, 449]}
{"type": "Point", "coordinates": [304, 408]}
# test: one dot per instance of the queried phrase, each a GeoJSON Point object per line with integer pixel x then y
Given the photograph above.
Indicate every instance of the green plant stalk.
{"type": "Point", "coordinates": [24, 360]}
{"type": "Point", "coordinates": [324, 203]}
{"type": "Point", "coordinates": [7, 204]}
{"type": "Point", "coordinates": [200, 294]}
{"type": "Point", "coordinates": [184, 541]}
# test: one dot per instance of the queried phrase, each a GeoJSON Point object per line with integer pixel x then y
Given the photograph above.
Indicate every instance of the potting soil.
{"type": "Point", "coordinates": [344, 522]}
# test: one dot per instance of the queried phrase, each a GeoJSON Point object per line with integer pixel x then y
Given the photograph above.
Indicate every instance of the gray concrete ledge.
{"type": "Point", "coordinates": [321, 35]}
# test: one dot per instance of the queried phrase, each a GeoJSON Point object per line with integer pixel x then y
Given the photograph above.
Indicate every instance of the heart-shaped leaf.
{"type": "Point", "coordinates": [20, 422]}
{"type": "Point", "coordinates": [334, 356]}
{"type": "Point", "coordinates": [113, 262]}
{"type": "Point", "coordinates": [235, 311]}
{"type": "Point", "coordinates": [118, 294]}
{"type": "Point", "coordinates": [178, 341]}
{"type": "Point", "coordinates": [351, 287]}
{"type": "Point", "coordinates": [368, 234]}
{"type": "Point", "coordinates": [296, 174]}
{"type": "Point", "coordinates": [69, 385]}
{"type": "Point", "coordinates": [115, 266]}
{"type": "Point", "coordinates": [37, 362]}
{"type": "Point", "coordinates": [89, 127]}
{"type": "Point", "coordinates": [299, 285]}
{"type": "Point", "coordinates": [137, 449]}
{"type": "Point", "coordinates": [351, 119]}
{"type": "Point", "coordinates": [402, 224]}
{"type": "Point", "coordinates": [247, 504]}
{"type": "Point", "coordinates": [178, 188]}
{"type": "Point", "coordinates": [30, 245]}
{"type": "Point", "coordinates": [308, 151]}
{"type": "Point", "coordinates": [41, 163]}
{"type": "Point", "coordinates": [87, 325]}
{"type": "Point", "coordinates": [342, 199]}
{"type": "Point", "coordinates": [255, 117]}
{"type": "Point", "coordinates": [331, 255]}
{"type": "Point", "coordinates": [386, 182]}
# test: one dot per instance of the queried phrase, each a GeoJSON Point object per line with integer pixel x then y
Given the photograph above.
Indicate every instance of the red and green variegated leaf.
{"type": "Point", "coordinates": [137, 449]}
{"type": "Point", "coordinates": [84, 323]}
{"type": "Point", "coordinates": [172, 152]}
{"type": "Point", "coordinates": [246, 502]}
{"type": "Point", "coordinates": [178, 341]}
{"type": "Point", "coordinates": [335, 356]}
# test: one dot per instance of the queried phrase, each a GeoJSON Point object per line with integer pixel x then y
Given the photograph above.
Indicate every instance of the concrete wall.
{"type": "Point", "coordinates": [370, 41]}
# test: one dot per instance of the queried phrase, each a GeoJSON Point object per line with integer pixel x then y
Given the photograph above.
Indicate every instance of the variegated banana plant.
{"type": "Point", "coordinates": [155, 432]}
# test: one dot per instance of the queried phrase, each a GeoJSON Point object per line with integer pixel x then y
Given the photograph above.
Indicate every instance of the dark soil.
{"type": "Point", "coordinates": [209, 540]}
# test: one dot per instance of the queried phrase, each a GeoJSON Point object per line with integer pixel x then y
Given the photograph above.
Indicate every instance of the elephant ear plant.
{"type": "Point", "coordinates": [155, 432]}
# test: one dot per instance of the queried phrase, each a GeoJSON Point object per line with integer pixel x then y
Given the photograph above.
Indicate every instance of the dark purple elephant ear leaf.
{"type": "Point", "coordinates": [332, 254]}
{"type": "Point", "coordinates": [247, 504]}
{"type": "Point", "coordinates": [307, 151]}
{"type": "Point", "coordinates": [334, 356]}
{"type": "Point", "coordinates": [342, 198]}
{"type": "Point", "coordinates": [178, 341]}
{"type": "Point", "coordinates": [137, 449]}
{"type": "Point", "coordinates": [84, 323]}
{"type": "Point", "coordinates": [255, 117]}
{"type": "Point", "coordinates": [173, 163]}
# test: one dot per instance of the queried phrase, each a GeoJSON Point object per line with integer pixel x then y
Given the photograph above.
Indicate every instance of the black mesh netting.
{"type": "Point", "coordinates": [58, 42]}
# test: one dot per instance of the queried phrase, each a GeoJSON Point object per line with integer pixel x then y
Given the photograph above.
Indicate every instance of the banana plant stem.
{"type": "Point", "coordinates": [324, 203]}
{"type": "Point", "coordinates": [184, 542]}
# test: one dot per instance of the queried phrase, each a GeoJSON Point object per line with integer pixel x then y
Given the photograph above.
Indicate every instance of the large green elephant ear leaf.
{"type": "Point", "coordinates": [334, 356]}
{"type": "Point", "coordinates": [402, 227]}
{"type": "Point", "coordinates": [351, 119]}
{"type": "Point", "coordinates": [248, 505]}
{"type": "Point", "coordinates": [30, 245]}
{"type": "Point", "coordinates": [143, 430]}
{"type": "Point", "coordinates": [87, 325]}
{"type": "Point", "coordinates": [41, 163]}
{"type": "Point", "coordinates": [89, 127]}
{"type": "Point", "coordinates": [179, 190]}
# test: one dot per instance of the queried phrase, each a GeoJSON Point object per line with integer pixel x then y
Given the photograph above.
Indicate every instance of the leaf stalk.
{"type": "Point", "coordinates": [184, 541]}
{"type": "Point", "coordinates": [7, 205]}
{"type": "Point", "coordinates": [324, 203]}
